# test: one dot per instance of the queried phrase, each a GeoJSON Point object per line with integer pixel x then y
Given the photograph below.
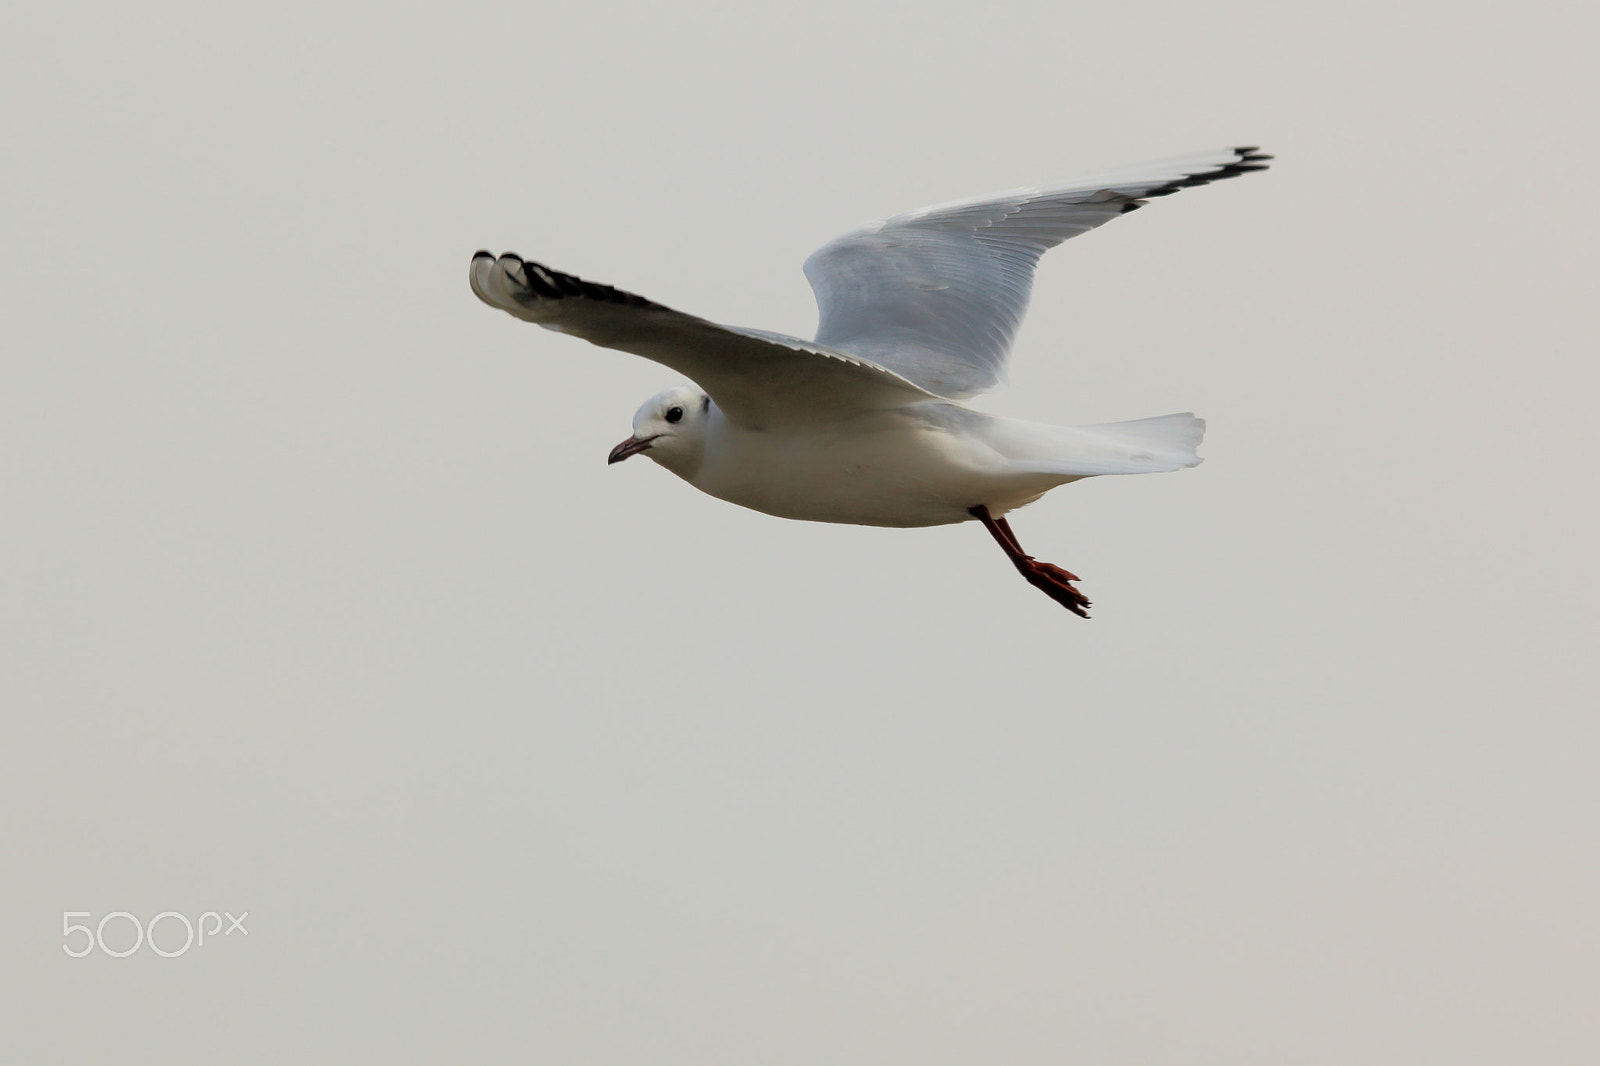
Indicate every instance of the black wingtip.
{"type": "Point", "coordinates": [554, 285]}
{"type": "Point", "coordinates": [1245, 160]}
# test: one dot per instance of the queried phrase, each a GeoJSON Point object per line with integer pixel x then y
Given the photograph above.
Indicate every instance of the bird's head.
{"type": "Point", "coordinates": [671, 429]}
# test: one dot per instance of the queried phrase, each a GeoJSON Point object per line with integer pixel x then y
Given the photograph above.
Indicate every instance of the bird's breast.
{"type": "Point", "coordinates": [880, 469]}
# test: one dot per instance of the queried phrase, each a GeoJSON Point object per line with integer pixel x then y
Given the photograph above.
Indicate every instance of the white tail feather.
{"type": "Point", "coordinates": [1143, 446]}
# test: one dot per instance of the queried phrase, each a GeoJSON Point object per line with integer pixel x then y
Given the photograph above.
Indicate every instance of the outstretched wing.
{"type": "Point", "coordinates": [759, 379]}
{"type": "Point", "coordinates": [937, 294]}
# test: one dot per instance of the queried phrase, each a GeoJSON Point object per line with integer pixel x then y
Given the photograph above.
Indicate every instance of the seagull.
{"type": "Point", "coordinates": [865, 424]}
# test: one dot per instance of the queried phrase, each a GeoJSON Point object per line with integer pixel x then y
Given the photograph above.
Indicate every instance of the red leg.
{"type": "Point", "coordinates": [1046, 577]}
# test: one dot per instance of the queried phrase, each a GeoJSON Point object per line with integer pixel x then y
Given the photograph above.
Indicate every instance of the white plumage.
{"type": "Point", "coordinates": [864, 424]}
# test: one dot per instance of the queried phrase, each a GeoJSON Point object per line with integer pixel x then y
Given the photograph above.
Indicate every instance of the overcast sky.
{"type": "Point", "coordinates": [321, 603]}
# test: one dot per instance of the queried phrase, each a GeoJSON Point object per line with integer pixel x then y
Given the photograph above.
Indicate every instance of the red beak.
{"type": "Point", "coordinates": [631, 446]}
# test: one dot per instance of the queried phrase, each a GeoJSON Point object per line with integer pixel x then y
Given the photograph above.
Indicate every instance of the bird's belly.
{"type": "Point", "coordinates": [893, 474]}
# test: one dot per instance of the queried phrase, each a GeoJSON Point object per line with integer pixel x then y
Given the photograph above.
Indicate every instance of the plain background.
{"type": "Point", "coordinates": [320, 602]}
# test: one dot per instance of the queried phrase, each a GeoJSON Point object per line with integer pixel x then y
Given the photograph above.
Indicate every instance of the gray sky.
{"type": "Point", "coordinates": [320, 602]}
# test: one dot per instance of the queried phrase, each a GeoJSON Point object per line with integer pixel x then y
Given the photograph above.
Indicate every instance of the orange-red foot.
{"type": "Point", "coordinates": [1048, 578]}
{"type": "Point", "coordinates": [1055, 583]}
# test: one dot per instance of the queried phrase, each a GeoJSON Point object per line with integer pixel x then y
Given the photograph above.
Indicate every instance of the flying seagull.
{"type": "Point", "coordinates": [865, 423]}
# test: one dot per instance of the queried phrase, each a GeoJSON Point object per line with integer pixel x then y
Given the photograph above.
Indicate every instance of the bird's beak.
{"type": "Point", "coordinates": [631, 446]}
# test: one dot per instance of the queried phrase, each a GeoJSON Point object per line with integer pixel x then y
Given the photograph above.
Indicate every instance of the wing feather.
{"type": "Point", "coordinates": [759, 379]}
{"type": "Point", "coordinates": [937, 294]}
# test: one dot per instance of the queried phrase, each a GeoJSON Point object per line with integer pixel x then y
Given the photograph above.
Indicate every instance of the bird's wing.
{"type": "Point", "coordinates": [937, 294]}
{"type": "Point", "coordinates": [759, 379]}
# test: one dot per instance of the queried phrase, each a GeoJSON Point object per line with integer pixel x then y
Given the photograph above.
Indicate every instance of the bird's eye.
{"type": "Point", "coordinates": [674, 414]}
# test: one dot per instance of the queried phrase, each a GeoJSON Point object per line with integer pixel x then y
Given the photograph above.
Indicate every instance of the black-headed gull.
{"type": "Point", "coordinates": [864, 424]}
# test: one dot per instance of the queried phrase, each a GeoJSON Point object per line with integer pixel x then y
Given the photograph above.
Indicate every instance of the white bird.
{"type": "Point", "coordinates": [864, 424]}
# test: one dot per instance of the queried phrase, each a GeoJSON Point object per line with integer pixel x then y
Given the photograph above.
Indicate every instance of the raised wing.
{"type": "Point", "coordinates": [759, 379]}
{"type": "Point", "coordinates": [938, 294]}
